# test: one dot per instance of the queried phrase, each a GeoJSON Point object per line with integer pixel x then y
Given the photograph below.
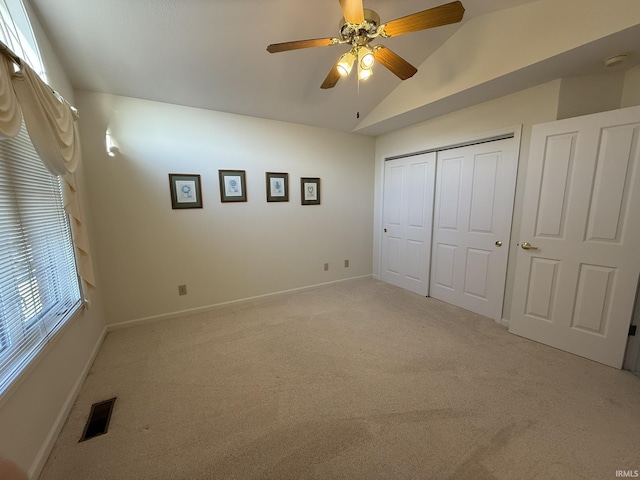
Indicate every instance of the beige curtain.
{"type": "Point", "coordinates": [50, 121]}
{"type": "Point", "coordinates": [80, 238]}
{"type": "Point", "coordinates": [10, 113]}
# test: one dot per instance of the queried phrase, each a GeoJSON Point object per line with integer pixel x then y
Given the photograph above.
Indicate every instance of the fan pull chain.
{"type": "Point", "coordinates": [358, 98]}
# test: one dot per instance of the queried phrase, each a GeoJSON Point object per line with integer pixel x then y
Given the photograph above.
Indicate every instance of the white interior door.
{"type": "Point", "coordinates": [575, 287]}
{"type": "Point", "coordinates": [407, 220]}
{"type": "Point", "coordinates": [475, 188]}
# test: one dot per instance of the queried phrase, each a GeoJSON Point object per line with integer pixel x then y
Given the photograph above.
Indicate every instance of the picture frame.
{"type": "Point", "coordinates": [233, 185]}
{"type": "Point", "coordinates": [186, 190]}
{"type": "Point", "coordinates": [310, 190]}
{"type": "Point", "coordinates": [277, 187]}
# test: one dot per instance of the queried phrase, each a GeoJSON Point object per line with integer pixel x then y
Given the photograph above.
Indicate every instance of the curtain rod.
{"type": "Point", "coordinates": [19, 61]}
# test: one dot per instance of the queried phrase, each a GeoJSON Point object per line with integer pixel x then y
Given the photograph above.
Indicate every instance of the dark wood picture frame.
{"type": "Point", "coordinates": [277, 187]}
{"type": "Point", "coordinates": [233, 185]}
{"type": "Point", "coordinates": [186, 190]}
{"type": "Point", "coordinates": [310, 191]}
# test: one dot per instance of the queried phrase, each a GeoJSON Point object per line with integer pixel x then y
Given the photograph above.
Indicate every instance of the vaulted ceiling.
{"type": "Point", "coordinates": [212, 53]}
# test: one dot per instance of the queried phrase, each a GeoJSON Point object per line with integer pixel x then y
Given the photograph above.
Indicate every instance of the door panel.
{"type": "Point", "coordinates": [394, 244]}
{"type": "Point", "coordinates": [449, 176]}
{"type": "Point", "coordinates": [445, 259]}
{"type": "Point", "coordinates": [591, 312]}
{"type": "Point", "coordinates": [576, 291]}
{"type": "Point", "coordinates": [475, 187]}
{"type": "Point", "coordinates": [407, 222]}
{"type": "Point", "coordinates": [542, 287]}
{"type": "Point", "coordinates": [415, 251]}
{"type": "Point", "coordinates": [552, 206]}
{"type": "Point", "coordinates": [416, 196]}
{"type": "Point", "coordinates": [613, 173]}
{"type": "Point", "coordinates": [477, 272]}
{"type": "Point", "coordinates": [394, 183]}
{"type": "Point", "coordinates": [485, 170]}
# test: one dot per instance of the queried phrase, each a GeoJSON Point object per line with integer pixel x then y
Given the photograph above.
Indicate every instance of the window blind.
{"type": "Point", "coordinates": [39, 286]}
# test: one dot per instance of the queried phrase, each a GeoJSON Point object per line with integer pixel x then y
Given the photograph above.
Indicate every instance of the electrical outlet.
{"type": "Point", "coordinates": [326, 267]}
{"type": "Point", "coordinates": [182, 289]}
{"type": "Point", "coordinates": [346, 264]}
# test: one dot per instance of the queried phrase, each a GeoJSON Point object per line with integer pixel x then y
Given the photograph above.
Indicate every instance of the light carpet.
{"type": "Point", "coordinates": [356, 380]}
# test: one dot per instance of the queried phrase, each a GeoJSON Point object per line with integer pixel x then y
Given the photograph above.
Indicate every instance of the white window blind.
{"type": "Point", "coordinates": [39, 287]}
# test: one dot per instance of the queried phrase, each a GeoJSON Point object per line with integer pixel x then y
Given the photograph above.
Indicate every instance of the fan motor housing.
{"type": "Point", "coordinates": [368, 28]}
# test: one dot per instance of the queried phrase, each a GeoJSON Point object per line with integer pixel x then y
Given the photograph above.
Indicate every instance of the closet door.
{"type": "Point", "coordinates": [407, 221]}
{"type": "Point", "coordinates": [475, 188]}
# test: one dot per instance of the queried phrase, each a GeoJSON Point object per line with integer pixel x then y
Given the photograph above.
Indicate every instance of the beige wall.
{"type": "Point", "coordinates": [590, 94]}
{"type": "Point", "coordinates": [222, 252]}
{"type": "Point", "coordinates": [631, 88]}
{"type": "Point", "coordinates": [33, 410]}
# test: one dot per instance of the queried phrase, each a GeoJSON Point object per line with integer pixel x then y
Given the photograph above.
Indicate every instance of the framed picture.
{"type": "Point", "coordinates": [277, 187]}
{"type": "Point", "coordinates": [310, 191]}
{"type": "Point", "coordinates": [185, 190]}
{"type": "Point", "coordinates": [233, 186]}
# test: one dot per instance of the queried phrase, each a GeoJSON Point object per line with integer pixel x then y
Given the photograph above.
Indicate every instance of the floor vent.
{"type": "Point", "coordinates": [98, 421]}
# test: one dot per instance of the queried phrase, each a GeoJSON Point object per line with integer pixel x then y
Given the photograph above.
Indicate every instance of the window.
{"type": "Point", "coordinates": [38, 280]}
{"type": "Point", "coordinates": [16, 33]}
{"type": "Point", "coordinates": [39, 288]}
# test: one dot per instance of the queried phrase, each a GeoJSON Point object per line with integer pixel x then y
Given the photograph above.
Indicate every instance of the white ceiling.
{"type": "Point", "coordinates": [212, 53]}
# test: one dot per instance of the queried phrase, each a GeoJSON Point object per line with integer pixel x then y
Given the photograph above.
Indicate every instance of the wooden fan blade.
{"type": "Point", "coordinates": [332, 77]}
{"type": "Point", "coordinates": [352, 10]}
{"type": "Point", "coordinates": [394, 62]}
{"type": "Point", "coordinates": [286, 46]}
{"type": "Point", "coordinates": [433, 17]}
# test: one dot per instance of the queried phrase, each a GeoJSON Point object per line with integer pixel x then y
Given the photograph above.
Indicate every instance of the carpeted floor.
{"type": "Point", "coordinates": [357, 380]}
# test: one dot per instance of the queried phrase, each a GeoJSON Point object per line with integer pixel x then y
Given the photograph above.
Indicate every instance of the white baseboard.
{"type": "Point", "coordinates": [192, 311]}
{"type": "Point", "coordinates": [505, 323]}
{"type": "Point", "coordinates": [47, 446]}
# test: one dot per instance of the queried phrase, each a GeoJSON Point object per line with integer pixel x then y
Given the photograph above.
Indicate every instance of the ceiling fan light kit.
{"type": "Point", "coordinates": [360, 26]}
{"type": "Point", "coordinates": [365, 54]}
{"type": "Point", "coordinates": [345, 63]}
{"type": "Point", "coordinates": [364, 73]}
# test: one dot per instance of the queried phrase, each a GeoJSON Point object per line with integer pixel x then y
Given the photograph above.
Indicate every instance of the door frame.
{"type": "Point", "coordinates": [632, 353]}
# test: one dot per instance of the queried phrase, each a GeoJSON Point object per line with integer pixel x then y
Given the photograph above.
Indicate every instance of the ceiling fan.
{"type": "Point", "coordinates": [360, 26]}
